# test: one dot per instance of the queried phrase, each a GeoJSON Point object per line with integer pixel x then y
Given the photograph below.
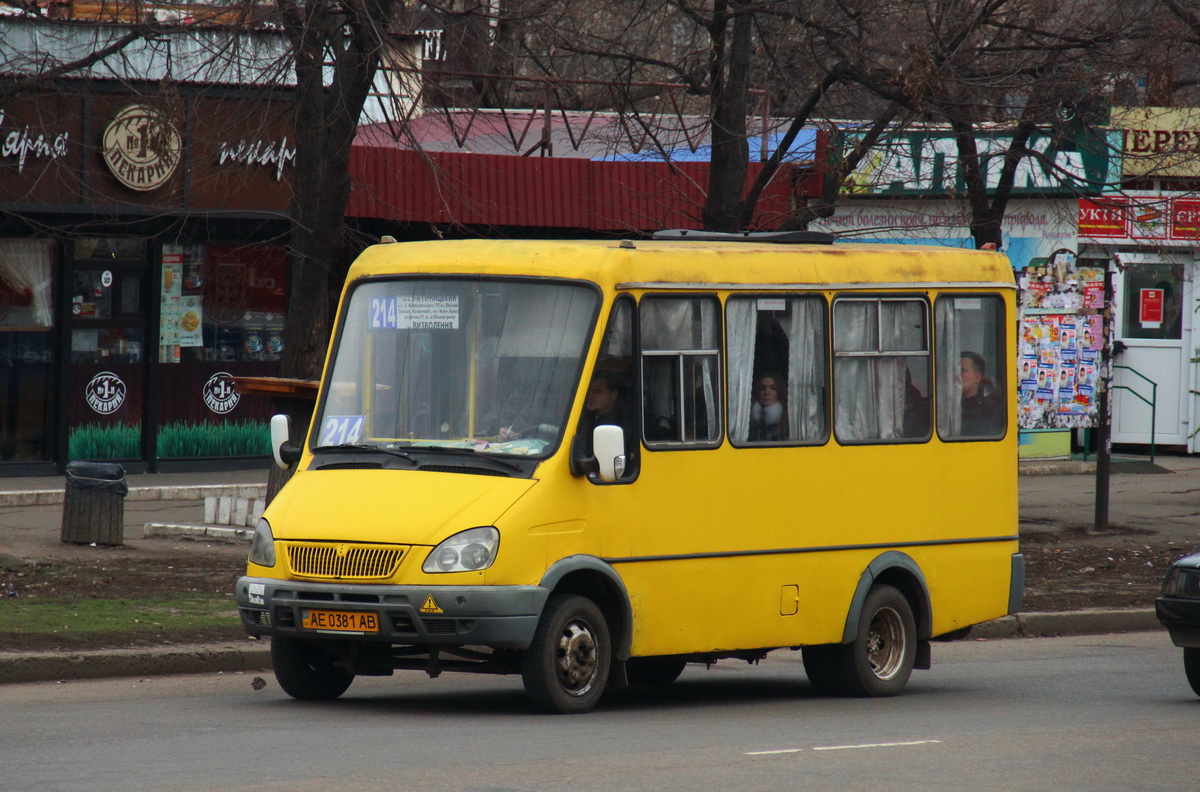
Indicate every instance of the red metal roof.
{"type": "Point", "coordinates": [545, 192]}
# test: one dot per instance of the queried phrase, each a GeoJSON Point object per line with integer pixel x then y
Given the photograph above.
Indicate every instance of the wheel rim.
{"type": "Point", "coordinates": [575, 657]}
{"type": "Point", "coordinates": [885, 643]}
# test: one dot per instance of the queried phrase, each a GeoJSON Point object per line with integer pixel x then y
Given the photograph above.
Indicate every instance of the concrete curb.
{"type": "Point", "coordinates": [1086, 622]}
{"type": "Point", "coordinates": [256, 655]}
{"type": "Point", "coordinates": [53, 497]}
{"type": "Point", "coordinates": [198, 530]}
{"type": "Point", "coordinates": [154, 661]}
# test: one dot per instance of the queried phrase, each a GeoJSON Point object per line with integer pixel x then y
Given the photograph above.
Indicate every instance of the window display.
{"type": "Point", "coordinates": [221, 316]}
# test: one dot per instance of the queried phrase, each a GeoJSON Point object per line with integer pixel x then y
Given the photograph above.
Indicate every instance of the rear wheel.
{"type": "Point", "coordinates": [880, 660]}
{"type": "Point", "coordinates": [1191, 667]}
{"type": "Point", "coordinates": [653, 670]}
{"type": "Point", "coordinates": [306, 670]}
{"type": "Point", "coordinates": [565, 669]}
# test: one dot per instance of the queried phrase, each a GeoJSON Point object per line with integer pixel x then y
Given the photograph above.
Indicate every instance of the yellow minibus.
{"type": "Point", "coordinates": [593, 462]}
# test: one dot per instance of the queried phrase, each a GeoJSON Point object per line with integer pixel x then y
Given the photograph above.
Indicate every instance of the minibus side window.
{"type": "Point", "coordinates": [681, 370]}
{"type": "Point", "coordinates": [972, 367]}
{"type": "Point", "coordinates": [881, 369]}
{"type": "Point", "coordinates": [776, 369]}
{"type": "Point", "coordinates": [611, 397]}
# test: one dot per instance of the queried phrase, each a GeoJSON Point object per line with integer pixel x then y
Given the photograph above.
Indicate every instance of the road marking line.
{"type": "Point", "coordinates": [874, 745]}
{"type": "Point", "coordinates": [767, 753]}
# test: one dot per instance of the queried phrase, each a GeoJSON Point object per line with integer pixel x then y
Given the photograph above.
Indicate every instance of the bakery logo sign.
{"type": "Point", "coordinates": [272, 154]}
{"type": "Point", "coordinates": [105, 393]}
{"type": "Point", "coordinates": [21, 144]}
{"type": "Point", "coordinates": [219, 393]}
{"type": "Point", "coordinates": [142, 148]}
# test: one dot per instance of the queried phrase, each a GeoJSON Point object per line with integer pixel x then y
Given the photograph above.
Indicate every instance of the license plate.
{"type": "Point", "coordinates": [340, 621]}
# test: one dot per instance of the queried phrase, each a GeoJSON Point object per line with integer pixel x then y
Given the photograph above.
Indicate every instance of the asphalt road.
{"type": "Point", "coordinates": [1078, 713]}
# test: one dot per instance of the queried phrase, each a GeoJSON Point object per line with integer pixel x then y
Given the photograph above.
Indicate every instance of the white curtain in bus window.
{"type": "Point", "coordinates": [680, 365]}
{"type": "Point", "coordinates": [776, 369]}
{"type": "Point", "coordinates": [881, 370]}
{"type": "Point", "coordinates": [972, 369]}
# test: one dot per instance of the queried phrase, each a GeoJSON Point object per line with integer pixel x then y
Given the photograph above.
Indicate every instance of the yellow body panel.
{"type": "Point", "coordinates": [721, 548]}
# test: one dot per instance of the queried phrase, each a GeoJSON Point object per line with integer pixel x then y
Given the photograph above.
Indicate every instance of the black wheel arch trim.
{"type": "Point", "coordinates": [893, 559]}
{"type": "Point", "coordinates": [621, 634]}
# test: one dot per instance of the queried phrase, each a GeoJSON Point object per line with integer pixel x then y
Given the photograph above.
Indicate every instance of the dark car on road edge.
{"type": "Point", "coordinates": [1178, 608]}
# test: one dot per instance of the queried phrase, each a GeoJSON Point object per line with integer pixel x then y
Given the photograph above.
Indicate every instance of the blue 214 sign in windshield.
{"type": "Point", "coordinates": [414, 313]}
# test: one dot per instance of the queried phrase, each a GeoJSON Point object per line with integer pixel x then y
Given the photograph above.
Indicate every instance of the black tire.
{"type": "Point", "coordinates": [1191, 667]}
{"type": "Point", "coordinates": [880, 660]}
{"type": "Point", "coordinates": [306, 671]}
{"type": "Point", "coordinates": [653, 670]}
{"type": "Point", "coordinates": [821, 664]}
{"type": "Point", "coordinates": [566, 667]}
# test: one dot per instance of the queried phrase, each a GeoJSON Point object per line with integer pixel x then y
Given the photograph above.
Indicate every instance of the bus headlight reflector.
{"type": "Point", "coordinates": [467, 551]}
{"type": "Point", "coordinates": [262, 545]}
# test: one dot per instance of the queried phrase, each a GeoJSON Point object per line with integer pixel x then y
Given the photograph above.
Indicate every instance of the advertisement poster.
{"type": "Point", "coordinates": [1059, 355]}
{"type": "Point", "coordinates": [191, 318]}
{"type": "Point", "coordinates": [170, 293]}
{"type": "Point", "coordinates": [1061, 335]}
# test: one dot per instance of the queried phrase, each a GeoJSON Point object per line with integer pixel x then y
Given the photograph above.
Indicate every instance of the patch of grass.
{"type": "Point", "coordinates": [235, 438]}
{"type": "Point", "coordinates": [95, 442]}
{"type": "Point", "coordinates": [68, 617]}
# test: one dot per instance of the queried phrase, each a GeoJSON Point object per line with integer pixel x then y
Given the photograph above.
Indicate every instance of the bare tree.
{"type": "Point", "coordinates": [336, 50]}
{"type": "Point", "coordinates": [735, 59]}
{"type": "Point", "coordinates": [982, 67]}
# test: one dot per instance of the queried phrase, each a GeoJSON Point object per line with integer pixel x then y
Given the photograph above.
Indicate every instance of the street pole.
{"type": "Point", "coordinates": [1104, 419]}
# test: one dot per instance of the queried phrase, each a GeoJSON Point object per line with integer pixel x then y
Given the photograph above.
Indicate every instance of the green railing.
{"type": "Point", "coordinates": [1152, 401]}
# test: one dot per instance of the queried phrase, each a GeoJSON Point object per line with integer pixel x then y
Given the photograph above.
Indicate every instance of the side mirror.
{"type": "Point", "coordinates": [282, 448]}
{"type": "Point", "coordinates": [608, 442]}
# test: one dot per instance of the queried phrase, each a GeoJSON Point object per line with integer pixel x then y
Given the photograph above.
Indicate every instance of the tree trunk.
{"type": "Point", "coordinates": [729, 162]}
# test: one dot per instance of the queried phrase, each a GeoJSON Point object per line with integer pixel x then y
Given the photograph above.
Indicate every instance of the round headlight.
{"type": "Point", "coordinates": [447, 558]}
{"type": "Point", "coordinates": [475, 556]}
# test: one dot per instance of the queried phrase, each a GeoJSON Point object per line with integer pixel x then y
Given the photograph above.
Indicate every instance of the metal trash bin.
{"type": "Point", "coordinates": [94, 504]}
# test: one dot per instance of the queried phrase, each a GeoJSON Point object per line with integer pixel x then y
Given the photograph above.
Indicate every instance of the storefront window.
{"type": "Point", "coordinates": [1153, 302]}
{"type": "Point", "coordinates": [26, 350]}
{"type": "Point", "coordinates": [222, 313]}
{"type": "Point", "coordinates": [106, 378]}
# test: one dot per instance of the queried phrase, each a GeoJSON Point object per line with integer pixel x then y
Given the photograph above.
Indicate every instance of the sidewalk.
{"type": "Point", "coordinates": [1058, 493]}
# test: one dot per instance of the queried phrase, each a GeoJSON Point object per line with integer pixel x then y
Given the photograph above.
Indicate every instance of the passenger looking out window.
{"type": "Point", "coordinates": [982, 413]}
{"type": "Point", "coordinates": [777, 369]}
{"type": "Point", "coordinates": [972, 367]}
{"type": "Point", "coordinates": [768, 414]}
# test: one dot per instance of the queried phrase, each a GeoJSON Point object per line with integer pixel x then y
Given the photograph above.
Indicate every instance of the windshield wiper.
{"type": "Point", "coordinates": [354, 448]}
{"type": "Point", "coordinates": [469, 451]}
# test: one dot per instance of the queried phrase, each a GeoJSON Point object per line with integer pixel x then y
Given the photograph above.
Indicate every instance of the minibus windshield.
{"type": "Point", "coordinates": [476, 365]}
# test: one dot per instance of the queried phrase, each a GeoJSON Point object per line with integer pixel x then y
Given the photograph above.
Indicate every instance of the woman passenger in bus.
{"type": "Point", "coordinates": [768, 413]}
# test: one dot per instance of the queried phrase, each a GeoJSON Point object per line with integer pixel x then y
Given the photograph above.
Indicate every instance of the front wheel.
{"type": "Point", "coordinates": [881, 659]}
{"type": "Point", "coordinates": [565, 669]}
{"type": "Point", "coordinates": [1191, 667]}
{"type": "Point", "coordinates": [306, 671]}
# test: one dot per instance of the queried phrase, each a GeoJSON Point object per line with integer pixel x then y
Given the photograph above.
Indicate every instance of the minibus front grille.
{"type": "Point", "coordinates": [333, 561]}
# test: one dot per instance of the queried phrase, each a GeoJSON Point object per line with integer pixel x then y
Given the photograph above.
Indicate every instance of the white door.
{"type": "Point", "coordinates": [1154, 301]}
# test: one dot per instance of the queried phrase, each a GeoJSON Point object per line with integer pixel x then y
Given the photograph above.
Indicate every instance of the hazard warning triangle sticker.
{"type": "Point", "coordinates": [430, 605]}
